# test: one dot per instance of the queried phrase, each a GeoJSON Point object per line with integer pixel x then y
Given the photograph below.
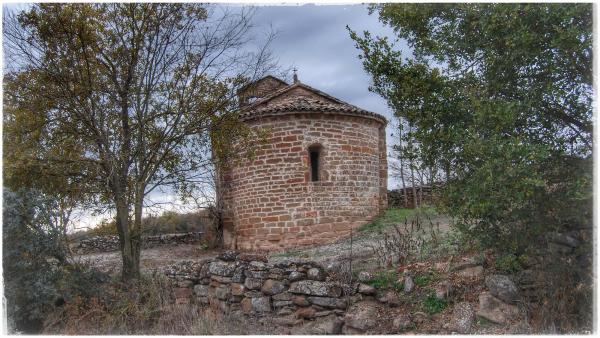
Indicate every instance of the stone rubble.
{"type": "Point", "coordinates": [463, 317]}
{"type": "Point", "coordinates": [502, 287]}
{"type": "Point", "coordinates": [495, 310]}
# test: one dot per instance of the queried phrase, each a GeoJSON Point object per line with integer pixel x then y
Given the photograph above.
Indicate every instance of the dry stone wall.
{"type": "Point", "coordinates": [249, 284]}
{"type": "Point", "coordinates": [111, 243]}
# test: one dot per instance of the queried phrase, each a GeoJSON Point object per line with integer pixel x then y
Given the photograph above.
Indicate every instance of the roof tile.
{"type": "Point", "coordinates": [295, 103]}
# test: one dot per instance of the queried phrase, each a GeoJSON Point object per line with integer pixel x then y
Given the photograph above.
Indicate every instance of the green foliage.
{"type": "Point", "coordinates": [481, 321]}
{"type": "Point", "coordinates": [37, 273]}
{"type": "Point", "coordinates": [432, 305]}
{"type": "Point", "coordinates": [498, 101]}
{"type": "Point", "coordinates": [386, 280]}
{"type": "Point", "coordinates": [508, 263]}
{"type": "Point", "coordinates": [426, 278]}
{"type": "Point", "coordinates": [454, 241]}
{"type": "Point", "coordinates": [393, 216]}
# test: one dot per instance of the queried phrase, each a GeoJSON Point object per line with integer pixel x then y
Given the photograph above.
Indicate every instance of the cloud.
{"type": "Point", "coordinates": [315, 40]}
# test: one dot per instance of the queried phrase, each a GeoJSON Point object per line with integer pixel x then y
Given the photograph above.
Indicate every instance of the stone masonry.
{"type": "Point", "coordinates": [249, 284]}
{"type": "Point", "coordinates": [272, 201]}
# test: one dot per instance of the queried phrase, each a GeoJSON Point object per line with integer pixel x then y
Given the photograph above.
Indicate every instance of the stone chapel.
{"type": "Point", "coordinates": [321, 173]}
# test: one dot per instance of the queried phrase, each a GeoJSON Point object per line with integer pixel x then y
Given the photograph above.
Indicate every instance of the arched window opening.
{"type": "Point", "coordinates": [315, 154]}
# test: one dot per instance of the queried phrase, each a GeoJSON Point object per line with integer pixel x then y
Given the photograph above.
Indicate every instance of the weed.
{"type": "Point", "coordinates": [425, 279]}
{"type": "Point", "coordinates": [405, 242]}
{"type": "Point", "coordinates": [388, 218]}
{"type": "Point", "coordinates": [508, 263]}
{"type": "Point", "coordinates": [483, 322]}
{"type": "Point", "coordinates": [398, 286]}
{"type": "Point", "coordinates": [433, 305]}
{"type": "Point", "coordinates": [386, 280]}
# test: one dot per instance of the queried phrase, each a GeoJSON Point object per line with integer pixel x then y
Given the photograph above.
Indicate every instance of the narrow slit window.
{"type": "Point", "coordinates": [315, 153]}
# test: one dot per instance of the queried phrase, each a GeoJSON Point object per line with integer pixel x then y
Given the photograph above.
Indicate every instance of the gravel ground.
{"type": "Point", "coordinates": [359, 247]}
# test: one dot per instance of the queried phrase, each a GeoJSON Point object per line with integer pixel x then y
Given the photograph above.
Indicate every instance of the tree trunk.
{"type": "Point", "coordinates": [405, 196]}
{"type": "Point", "coordinates": [412, 174]}
{"type": "Point", "coordinates": [421, 184]}
{"type": "Point", "coordinates": [136, 233]}
{"type": "Point", "coordinates": [129, 251]}
{"type": "Point", "coordinates": [414, 189]}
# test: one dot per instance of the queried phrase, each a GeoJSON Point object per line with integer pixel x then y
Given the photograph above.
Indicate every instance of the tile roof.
{"type": "Point", "coordinates": [328, 104]}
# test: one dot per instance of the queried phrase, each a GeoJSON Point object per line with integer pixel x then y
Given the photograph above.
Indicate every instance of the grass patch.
{"type": "Point", "coordinates": [483, 322]}
{"type": "Point", "coordinates": [397, 215]}
{"type": "Point", "coordinates": [433, 305]}
{"type": "Point", "coordinates": [284, 254]}
{"type": "Point", "coordinates": [508, 263]}
{"type": "Point", "coordinates": [425, 279]}
{"type": "Point", "coordinates": [386, 280]}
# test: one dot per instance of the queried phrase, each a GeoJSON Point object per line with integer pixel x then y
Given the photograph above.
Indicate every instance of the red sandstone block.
{"type": "Point", "coordinates": [305, 222]}
{"type": "Point", "coordinates": [283, 145]}
{"type": "Point", "coordinates": [327, 234]}
{"type": "Point", "coordinates": [311, 213]}
{"type": "Point", "coordinates": [341, 226]}
{"type": "Point", "coordinates": [273, 237]}
{"type": "Point", "coordinates": [270, 219]}
{"type": "Point", "coordinates": [276, 230]}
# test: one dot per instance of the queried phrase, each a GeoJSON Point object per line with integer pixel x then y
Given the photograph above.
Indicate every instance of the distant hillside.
{"type": "Point", "coordinates": [168, 222]}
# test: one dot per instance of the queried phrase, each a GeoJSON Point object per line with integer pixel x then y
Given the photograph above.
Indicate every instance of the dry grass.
{"type": "Point", "coordinates": [144, 308]}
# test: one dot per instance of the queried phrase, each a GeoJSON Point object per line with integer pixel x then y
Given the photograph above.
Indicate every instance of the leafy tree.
{"type": "Point", "coordinates": [124, 99]}
{"type": "Point", "coordinates": [499, 97]}
{"type": "Point", "coordinates": [37, 272]}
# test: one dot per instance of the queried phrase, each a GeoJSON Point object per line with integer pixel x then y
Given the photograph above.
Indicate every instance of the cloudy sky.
{"type": "Point", "coordinates": [314, 39]}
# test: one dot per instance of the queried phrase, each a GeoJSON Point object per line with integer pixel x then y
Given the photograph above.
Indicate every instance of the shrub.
{"type": "Point", "coordinates": [405, 241]}
{"type": "Point", "coordinates": [145, 307]}
{"type": "Point", "coordinates": [123, 308]}
{"type": "Point", "coordinates": [37, 273]}
{"type": "Point", "coordinates": [508, 263]}
{"type": "Point", "coordinates": [425, 279]}
{"type": "Point", "coordinates": [386, 280]}
{"type": "Point", "coordinates": [433, 305]}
